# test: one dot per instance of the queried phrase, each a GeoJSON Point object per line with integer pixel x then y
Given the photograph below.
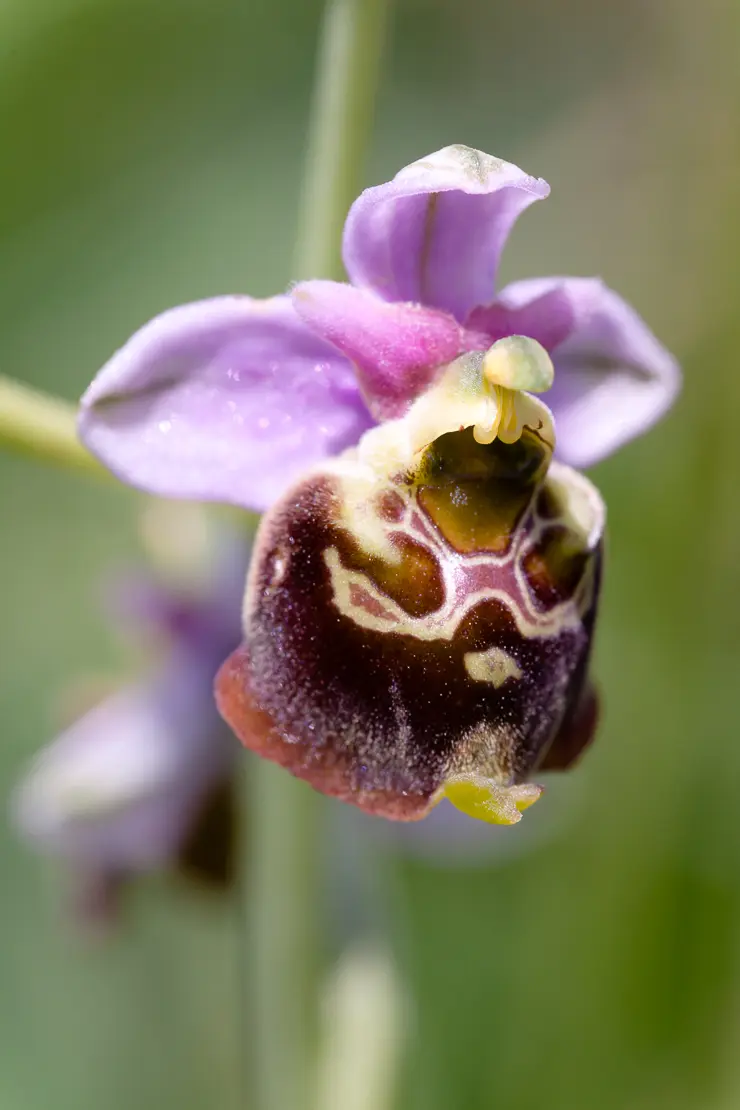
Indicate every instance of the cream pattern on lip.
{"type": "Point", "coordinates": [418, 618]}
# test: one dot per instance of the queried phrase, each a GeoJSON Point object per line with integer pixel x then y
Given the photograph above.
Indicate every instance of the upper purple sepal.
{"type": "Point", "coordinates": [434, 234]}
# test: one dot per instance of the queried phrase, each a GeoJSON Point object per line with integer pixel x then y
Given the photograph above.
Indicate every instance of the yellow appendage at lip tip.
{"type": "Point", "coordinates": [485, 800]}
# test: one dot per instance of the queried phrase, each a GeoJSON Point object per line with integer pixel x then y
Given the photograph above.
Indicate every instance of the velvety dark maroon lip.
{"type": "Point", "coordinates": [359, 692]}
{"type": "Point", "coordinates": [325, 770]}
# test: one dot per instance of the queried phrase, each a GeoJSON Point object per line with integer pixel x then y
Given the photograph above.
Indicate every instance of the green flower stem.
{"type": "Point", "coordinates": [43, 427]}
{"type": "Point", "coordinates": [347, 80]}
{"type": "Point", "coordinates": [282, 883]}
{"type": "Point", "coordinates": [282, 891]}
{"type": "Point", "coordinates": [364, 1018]}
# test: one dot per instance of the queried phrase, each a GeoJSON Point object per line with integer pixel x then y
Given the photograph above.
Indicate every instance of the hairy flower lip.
{"type": "Point", "coordinates": [257, 732]}
{"type": "Point", "coordinates": [362, 677]}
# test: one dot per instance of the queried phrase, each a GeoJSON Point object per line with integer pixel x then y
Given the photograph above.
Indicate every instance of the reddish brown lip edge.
{"type": "Point", "coordinates": [324, 770]}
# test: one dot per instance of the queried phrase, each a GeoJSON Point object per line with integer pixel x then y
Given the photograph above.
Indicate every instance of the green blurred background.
{"type": "Point", "coordinates": [151, 153]}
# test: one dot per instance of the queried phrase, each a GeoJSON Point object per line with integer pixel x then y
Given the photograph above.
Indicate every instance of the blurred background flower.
{"type": "Point", "coordinates": [151, 152]}
{"type": "Point", "coordinates": [144, 780]}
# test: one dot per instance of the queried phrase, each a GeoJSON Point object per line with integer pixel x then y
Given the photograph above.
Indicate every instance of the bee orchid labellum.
{"type": "Point", "coordinates": [419, 611]}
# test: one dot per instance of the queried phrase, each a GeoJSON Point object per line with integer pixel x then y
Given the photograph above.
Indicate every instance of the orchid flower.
{"type": "Point", "coordinates": [420, 607]}
{"type": "Point", "coordinates": [142, 782]}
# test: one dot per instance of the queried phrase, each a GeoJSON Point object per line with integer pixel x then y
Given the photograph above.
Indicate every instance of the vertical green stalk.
{"type": "Point", "coordinates": [282, 883]}
{"type": "Point", "coordinates": [347, 79]}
